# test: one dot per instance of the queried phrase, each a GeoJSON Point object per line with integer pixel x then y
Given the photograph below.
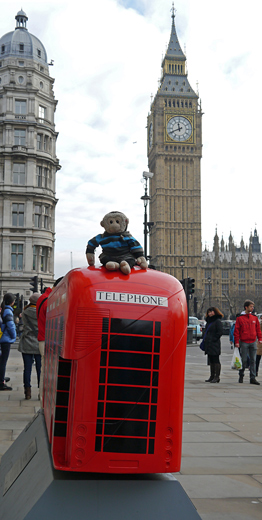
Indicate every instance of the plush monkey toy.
{"type": "Point", "coordinates": [119, 249]}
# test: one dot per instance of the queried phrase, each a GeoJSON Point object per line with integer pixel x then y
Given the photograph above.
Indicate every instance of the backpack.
{"type": "Point", "coordinates": [3, 323]}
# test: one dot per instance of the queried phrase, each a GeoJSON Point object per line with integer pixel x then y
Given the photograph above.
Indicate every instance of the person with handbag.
{"type": "Point", "coordinates": [28, 344]}
{"type": "Point", "coordinates": [247, 332]}
{"type": "Point", "coordinates": [211, 343]}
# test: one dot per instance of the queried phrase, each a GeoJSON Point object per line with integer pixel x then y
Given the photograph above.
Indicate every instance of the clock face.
{"type": "Point", "coordinates": [150, 135]}
{"type": "Point", "coordinates": [179, 128]}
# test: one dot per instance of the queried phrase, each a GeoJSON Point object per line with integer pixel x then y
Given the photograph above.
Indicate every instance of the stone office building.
{"type": "Point", "coordinates": [228, 274]}
{"type": "Point", "coordinates": [28, 162]}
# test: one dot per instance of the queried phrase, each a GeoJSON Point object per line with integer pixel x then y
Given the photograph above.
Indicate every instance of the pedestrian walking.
{"type": "Point", "coordinates": [8, 335]}
{"type": "Point", "coordinates": [28, 344]}
{"type": "Point", "coordinates": [247, 331]}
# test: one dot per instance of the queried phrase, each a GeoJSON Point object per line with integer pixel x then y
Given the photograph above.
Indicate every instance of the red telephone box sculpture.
{"type": "Point", "coordinates": [114, 371]}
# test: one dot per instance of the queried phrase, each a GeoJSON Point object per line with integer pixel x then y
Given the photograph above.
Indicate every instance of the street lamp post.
{"type": "Point", "coordinates": [182, 264]}
{"type": "Point", "coordinates": [146, 198]}
{"type": "Point", "coordinates": [209, 290]}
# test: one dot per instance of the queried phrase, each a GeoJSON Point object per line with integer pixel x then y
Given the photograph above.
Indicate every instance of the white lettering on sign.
{"type": "Point", "coordinates": [141, 299]}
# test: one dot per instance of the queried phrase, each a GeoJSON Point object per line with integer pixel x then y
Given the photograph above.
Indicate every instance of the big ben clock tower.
{"type": "Point", "coordinates": [174, 155]}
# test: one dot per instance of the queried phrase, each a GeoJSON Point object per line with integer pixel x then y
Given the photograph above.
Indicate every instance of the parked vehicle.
{"type": "Point", "coordinates": [194, 323]}
{"type": "Point", "coordinates": [226, 324]}
{"type": "Point", "coordinates": [203, 324]}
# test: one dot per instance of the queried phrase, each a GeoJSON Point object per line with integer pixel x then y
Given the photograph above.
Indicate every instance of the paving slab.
{"type": "Point", "coordinates": [207, 436]}
{"type": "Point", "coordinates": [220, 486]}
{"type": "Point", "coordinates": [229, 509]}
{"type": "Point", "coordinates": [220, 465]}
{"type": "Point", "coordinates": [225, 449]}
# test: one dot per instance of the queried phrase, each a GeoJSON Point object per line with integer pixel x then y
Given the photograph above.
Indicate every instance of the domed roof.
{"type": "Point", "coordinates": [21, 43]}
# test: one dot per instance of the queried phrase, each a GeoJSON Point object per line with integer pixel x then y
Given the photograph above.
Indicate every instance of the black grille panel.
{"type": "Point", "coordinates": [62, 397]}
{"type": "Point", "coordinates": [128, 386]}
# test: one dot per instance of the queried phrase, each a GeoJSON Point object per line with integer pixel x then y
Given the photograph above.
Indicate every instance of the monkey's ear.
{"type": "Point", "coordinates": [127, 221]}
{"type": "Point", "coordinates": [102, 223]}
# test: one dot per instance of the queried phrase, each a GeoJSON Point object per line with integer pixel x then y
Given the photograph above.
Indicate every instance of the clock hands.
{"type": "Point", "coordinates": [179, 128]}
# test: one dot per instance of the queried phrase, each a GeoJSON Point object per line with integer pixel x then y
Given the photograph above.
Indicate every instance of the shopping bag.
{"type": "Point", "coordinates": [236, 362]}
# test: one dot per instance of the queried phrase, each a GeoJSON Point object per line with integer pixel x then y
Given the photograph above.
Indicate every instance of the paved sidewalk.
{"type": "Point", "coordinates": [222, 441]}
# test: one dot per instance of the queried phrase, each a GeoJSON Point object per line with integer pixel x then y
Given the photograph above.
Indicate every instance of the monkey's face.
{"type": "Point", "coordinates": [114, 224]}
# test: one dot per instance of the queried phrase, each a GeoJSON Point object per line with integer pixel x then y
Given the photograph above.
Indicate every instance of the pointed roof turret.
{"type": "Point", "coordinates": [174, 48]}
{"type": "Point", "coordinates": [174, 80]}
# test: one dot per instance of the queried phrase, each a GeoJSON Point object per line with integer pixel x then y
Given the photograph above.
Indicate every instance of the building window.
{"type": "Point", "coordinates": [225, 288]}
{"type": "Point", "coordinates": [39, 176]}
{"type": "Point", "coordinates": [18, 215]}
{"type": "Point", "coordinates": [34, 258]}
{"type": "Point", "coordinates": [21, 47]}
{"type": "Point", "coordinates": [258, 275]}
{"type": "Point", "coordinates": [19, 137]}
{"type": "Point", "coordinates": [39, 141]}
{"type": "Point", "coordinates": [207, 273]}
{"type": "Point", "coordinates": [241, 275]}
{"type": "Point", "coordinates": [19, 174]}
{"type": "Point", "coordinates": [208, 289]}
{"type": "Point", "coordinates": [47, 217]}
{"type": "Point", "coordinates": [3, 49]}
{"type": "Point", "coordinates": [17, 257]}
{"type": "Point", "coordinates": [258, 289]}
{"type": "Point", "coordinates": [42, 177]}
{"type": "Point", "coordinates": [38, 53]}
{"type": "Point", "coordinates": [241, 287]}
{"type": "Point", "coordinates": [43, 258]}
{"type": "Point", "coordinates": [42, 113]}
{"type": "Point", "coordinates": [45, 177]}
{"type": "Point", "coordinates": [20, 107]}
{"type": "Point", "coordinates": [225, 274]}
{"type": "Point", "coordinates": [46, 142]}
{"type": "Point", "coordinates": [38, 212]}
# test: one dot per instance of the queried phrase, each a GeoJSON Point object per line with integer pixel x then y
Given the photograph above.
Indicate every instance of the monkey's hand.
{"type": "Point", "coordinates": [90, 258]}
{"type": "Point", "coordinates": [141, 261]}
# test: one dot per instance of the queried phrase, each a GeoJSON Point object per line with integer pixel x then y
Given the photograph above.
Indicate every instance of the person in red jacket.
{"type": "Point", "coordinates": [247, 330]}
{"type": "Point", "coordinates": [41, 307]}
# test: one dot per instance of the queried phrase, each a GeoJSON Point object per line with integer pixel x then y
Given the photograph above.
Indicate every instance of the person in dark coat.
{"type": "Point", "coordinates": [212, 343]}
{"type": "Point", "coordinates": [28, 344]}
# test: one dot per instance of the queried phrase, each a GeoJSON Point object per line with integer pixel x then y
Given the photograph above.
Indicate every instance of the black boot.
{"type": "Point", "coordinates": [212, 373]}
{"type": "Point", "coordinates": [217, 373]}
{"type": "Point", "coordinates": [27, 393]}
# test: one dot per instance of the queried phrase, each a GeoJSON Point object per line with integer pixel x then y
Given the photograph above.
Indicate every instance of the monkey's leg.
{"type": "Point", "coordinates": [125, 267]}
{"type": "Point", "coordinates": [112, 266]}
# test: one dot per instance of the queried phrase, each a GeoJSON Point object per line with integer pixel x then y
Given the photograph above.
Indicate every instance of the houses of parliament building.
{"type": "Point", "coordinates": [228, 274]}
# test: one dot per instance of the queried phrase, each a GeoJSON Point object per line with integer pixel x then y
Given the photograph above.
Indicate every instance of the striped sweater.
{"type": "Point", "coordinates": [116, 245]}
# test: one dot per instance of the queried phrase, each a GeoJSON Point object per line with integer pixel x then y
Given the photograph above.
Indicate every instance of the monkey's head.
{"type": "Point", "coordinates": [115, 222]}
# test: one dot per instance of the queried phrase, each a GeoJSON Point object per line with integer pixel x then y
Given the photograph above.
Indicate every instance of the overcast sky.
{"type": "Point", "coordinates": [107, 63]}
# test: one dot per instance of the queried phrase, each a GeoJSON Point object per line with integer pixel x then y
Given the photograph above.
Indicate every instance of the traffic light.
{"type": "Point", "coordinates": [184, 284]}
{"type": "Point", "coordinates": [16, 304]}
{"type": "Point", "coordinates": [195, 305]}
{"type": "Point", "coordinates": [34, 284]}
{"type": "Point", "coordinates": [190, 286]}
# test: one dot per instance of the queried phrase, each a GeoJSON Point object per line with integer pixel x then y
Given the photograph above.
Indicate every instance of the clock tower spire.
{"type": "Point", "coordinates": [174, 155]}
